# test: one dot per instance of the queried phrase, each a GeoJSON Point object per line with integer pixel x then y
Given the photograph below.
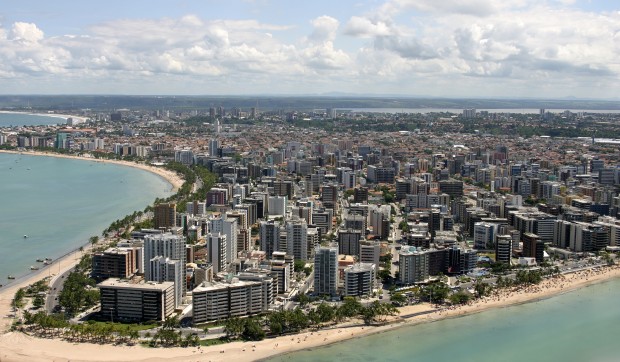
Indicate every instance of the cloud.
{"type": "Point", "coordinates": [26, 32]}
{"type": "Point", "coordinates": [421, 47]}
{"type": "Point", "coordinates": [325, 28]}
{"type": "Point", "coordinates": [364, 27]}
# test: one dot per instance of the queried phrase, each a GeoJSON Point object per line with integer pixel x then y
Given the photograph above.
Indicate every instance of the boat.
{"type": "Point", "coordinates": [32, 267]}
{"type": "Point", "coordinates": [25, 236]}
{"type": "Point", "coordinates": [46, 262]}
{"type": "Point", "coordinates": [48, 259]}
{"type": "Point", "coordinates": [40, 260]}
{"type": "Point", "coordinates": [10, 277]}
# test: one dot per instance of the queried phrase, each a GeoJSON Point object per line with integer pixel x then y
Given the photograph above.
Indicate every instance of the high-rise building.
{"type": "Point", "coordinates": [115, 263]}
{"type": "Point", "coordinates": [165, 215]}
{"type": "Point", "coordinates": [503, 249]}
{"type": "Point", "coordinates": [220, 301]}
{"type": "Point", "coordinates": [297, 239]}
{"type": "Point", "coordinates": [166, 246]}
{"type": "Point", "coordinates": [413, 266]}
{"type": "Point", "coordinates": [227, 226]}
{"type": "Point", "coordinates": [216, 251]}
{"type": "Point", "coordinates": [269, 234]}
{"type": "Point", "coordinates": [125, 300]}
{"type": "Point", "coordinates": [349, 242]}
{"type": "Point", "coordinates": [359, 279]}
{"type": "Point", "coordinates": [533, 247]}
{"type": "Point", "coordinates": [167, 270]}
{"type": "Point", "coordinates": [326, 271]}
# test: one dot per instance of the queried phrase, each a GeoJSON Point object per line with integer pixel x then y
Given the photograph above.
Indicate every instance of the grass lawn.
{"type": "Point", "coordinates": [132, 326]}
{"type": "Point", "coordinates": [213, 342]}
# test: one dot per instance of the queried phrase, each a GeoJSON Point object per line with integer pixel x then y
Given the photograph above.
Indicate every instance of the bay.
{"type": "Point", "coordinates": [581, 325]}
{"type": "Point", "coordinates": [59, 203]}
{"type": "Point", "coordinates": [24, 119]}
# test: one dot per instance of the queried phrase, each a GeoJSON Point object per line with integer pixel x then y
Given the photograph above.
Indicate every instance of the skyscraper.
{"type": "Point", "coordinates": [326, 271]}
{"type": "Point", "coordinates": [269, 234]}
{"type": "Point", "coordinates": [165, 215]}
{"type": "Point", "coordinates": [297, 239]}
{"type": "Point", "coordinates": [165, 246]}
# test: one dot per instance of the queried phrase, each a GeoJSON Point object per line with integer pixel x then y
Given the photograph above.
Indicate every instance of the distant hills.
{"type": "Point", "coordinates": [266, 103]}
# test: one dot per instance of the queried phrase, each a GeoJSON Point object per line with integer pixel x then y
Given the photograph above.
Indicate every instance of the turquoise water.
{"type": "Point", "coordinates": [22, 119]}
{"type": "Point", "coordinates": [60, 203]}
{"type": "Point", "coordinates": [579, 326]}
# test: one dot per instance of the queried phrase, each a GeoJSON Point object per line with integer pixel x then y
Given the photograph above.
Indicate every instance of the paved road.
{"type": "Point", "coordinates": [56, 285]}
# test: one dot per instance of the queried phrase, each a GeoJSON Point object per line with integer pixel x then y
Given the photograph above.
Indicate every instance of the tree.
{"type": "Point", "coordinates": [18, 299]}
{"type": "Point", "coordinates": [233, 327]}
{"type": "Point", "coordinates": [349, 309]}
{"type": "Point", "coordinates": [481, 288]}
{"type": "Point", "coordinates": [435, 292]}
{"type": "Point", "coordinates": [398, 298]}
{"type": "Point", "coordinates": [39, 300]}
{"type": "Point", "coordinates": [326, 312]}
{"type": "Point", "coordinates": [252, 330]}
{"type": "Point", "coordinates": [299, 266]}
{"type": "Point", "coordinates": [459, 298]}
{"type": "Point", "coordinates": [385, 275]}
{"type": "Point", "coordinates": [303, 299]}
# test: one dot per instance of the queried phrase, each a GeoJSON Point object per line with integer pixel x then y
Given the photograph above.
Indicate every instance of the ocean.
{"type": "Point", "coordinates": [23, 119]}
{"type": "Point", "coordinates": [577, 326]}
{"type": "Point", "coordinates": [59, 203]}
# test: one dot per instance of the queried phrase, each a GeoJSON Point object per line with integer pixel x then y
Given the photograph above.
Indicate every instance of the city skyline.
{"type": "Point", "coordinates": [520, 48]}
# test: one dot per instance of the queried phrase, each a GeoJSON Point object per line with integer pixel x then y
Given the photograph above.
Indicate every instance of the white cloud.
{"type": "Point", "coordinates": [365, 27]}
{"type": "Point", "coordinates": [419, 47]}
{"type": "Point", "coordinates": [26, 32]}
{"type": "Point", "coordinates": [325, 28]}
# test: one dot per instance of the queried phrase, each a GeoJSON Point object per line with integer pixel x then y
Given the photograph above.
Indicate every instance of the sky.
{"type": "Point", "coordinates": [416, 48]}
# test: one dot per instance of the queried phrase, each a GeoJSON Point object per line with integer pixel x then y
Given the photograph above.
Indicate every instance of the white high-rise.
{"type": "Point", "coordinates": [166, 246]}
{"type": "Point", "coordinates": [164, 269]}
{"type": "Point", "coordinates": [227, 226]}
{"type": "Point", "coordinates": [297, 239]}
{"type": "Point", "coordinates": [216, 251]}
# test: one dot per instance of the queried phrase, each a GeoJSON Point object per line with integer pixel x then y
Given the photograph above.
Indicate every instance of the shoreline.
{"type": "Point", "coordinates": [171, 177]}
{"type": "Point", "coordinates": [51, 115]}
{"type": "Point", "coordinates": [11, 344]}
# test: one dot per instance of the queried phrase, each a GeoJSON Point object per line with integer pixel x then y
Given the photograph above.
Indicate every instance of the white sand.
{"type": "Point", "coordinates": [19, 347]}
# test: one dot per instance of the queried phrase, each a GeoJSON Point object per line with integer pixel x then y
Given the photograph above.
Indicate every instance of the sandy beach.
{"type": "Point", "coordinates": [172, 177]}
{"type": "Point", "coordinates": [53, 115]}
{"type": "Point", "coordinates": [20, 347]}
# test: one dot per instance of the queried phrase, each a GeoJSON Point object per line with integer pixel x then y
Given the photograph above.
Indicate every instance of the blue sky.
{"type": "Point", "coordinates": [450, 48]}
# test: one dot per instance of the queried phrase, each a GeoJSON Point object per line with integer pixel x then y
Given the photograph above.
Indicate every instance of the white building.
{"type": "Point", "coordinates": [219, 301]}
{"type": "Point", "coordinates": [297, 239]}
{"type": "Point", "coordinates": [216, 251]}
{"type": "Point", "coordinates": [227, 226]}
{"type": "Point", "coordinates": [167, 246]}
{"type": "Point", "coordinates": [359, 280]}
{"type": "Point", "coordinates": [413, 266]}
{"type": "Point", "coordinates": [164, 269]}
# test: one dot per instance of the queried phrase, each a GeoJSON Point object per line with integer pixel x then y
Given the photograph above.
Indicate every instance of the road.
{"type": "Point", "coordinates": [56, 285]}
